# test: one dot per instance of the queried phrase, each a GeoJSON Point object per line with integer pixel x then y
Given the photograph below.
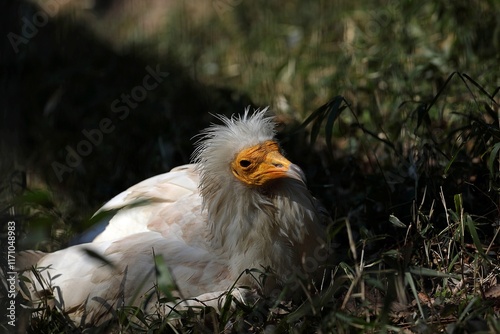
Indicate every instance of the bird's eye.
{"type": "Point", "coordinates": [244, 163]}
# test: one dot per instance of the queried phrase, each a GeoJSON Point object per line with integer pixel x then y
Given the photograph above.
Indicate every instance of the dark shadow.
{"type": "Point", "coordinates": [86, 122]}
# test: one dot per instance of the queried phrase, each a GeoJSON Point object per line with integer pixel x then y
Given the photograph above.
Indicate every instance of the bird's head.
{"type": "Point", "coordinates": [243, 151]}
{"type": "Point", "coordinates": [262, 163]}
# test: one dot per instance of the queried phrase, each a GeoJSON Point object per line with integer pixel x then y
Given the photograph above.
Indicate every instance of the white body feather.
{"type": "Point", "coordinates": [208, 226]}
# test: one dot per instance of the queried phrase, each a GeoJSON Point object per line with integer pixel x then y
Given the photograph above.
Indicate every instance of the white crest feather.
{"type": "Point", "coordinates": [237, 132]}
{"type": "Point", "coordinates": [219, 144]}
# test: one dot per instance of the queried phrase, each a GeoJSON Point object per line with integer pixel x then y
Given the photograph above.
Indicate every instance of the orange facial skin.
{"type": "Point", "coordinates": [259, 164]}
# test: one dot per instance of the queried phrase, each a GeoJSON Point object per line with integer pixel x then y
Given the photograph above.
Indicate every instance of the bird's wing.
{"type": "Point", "coordinates": [160, 203]}
{"type": "Point", "coordinates": [159, 216]}
{"type": "Point", "coordinates": [89, 279]}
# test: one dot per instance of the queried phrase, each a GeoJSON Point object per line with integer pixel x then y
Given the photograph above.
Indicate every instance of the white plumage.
{"type": "Point", "coordinates": [240, 205]}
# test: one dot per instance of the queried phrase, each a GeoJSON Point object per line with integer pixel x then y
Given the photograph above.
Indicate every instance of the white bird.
{"type": "Point", "coordinates": [240, 205]}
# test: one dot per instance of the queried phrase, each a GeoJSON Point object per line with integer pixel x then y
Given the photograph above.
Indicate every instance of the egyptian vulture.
{"type": "Point", "coordinates": [240, 205]}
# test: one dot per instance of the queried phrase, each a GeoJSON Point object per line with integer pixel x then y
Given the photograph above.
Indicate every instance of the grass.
{"type": "Point", "coordinates": [391, 108]}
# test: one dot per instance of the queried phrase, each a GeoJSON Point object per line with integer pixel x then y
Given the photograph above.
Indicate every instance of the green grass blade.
{"type": "Point", "coordinates": [492, 158]}
{"type": "Point", "coordinates": [409, 279]}
{"type": "Point", "coordinates": [471, 226]}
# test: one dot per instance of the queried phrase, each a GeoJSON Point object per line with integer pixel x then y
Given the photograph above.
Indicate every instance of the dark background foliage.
{"type": "Point", "coordinates": [390, 107]}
